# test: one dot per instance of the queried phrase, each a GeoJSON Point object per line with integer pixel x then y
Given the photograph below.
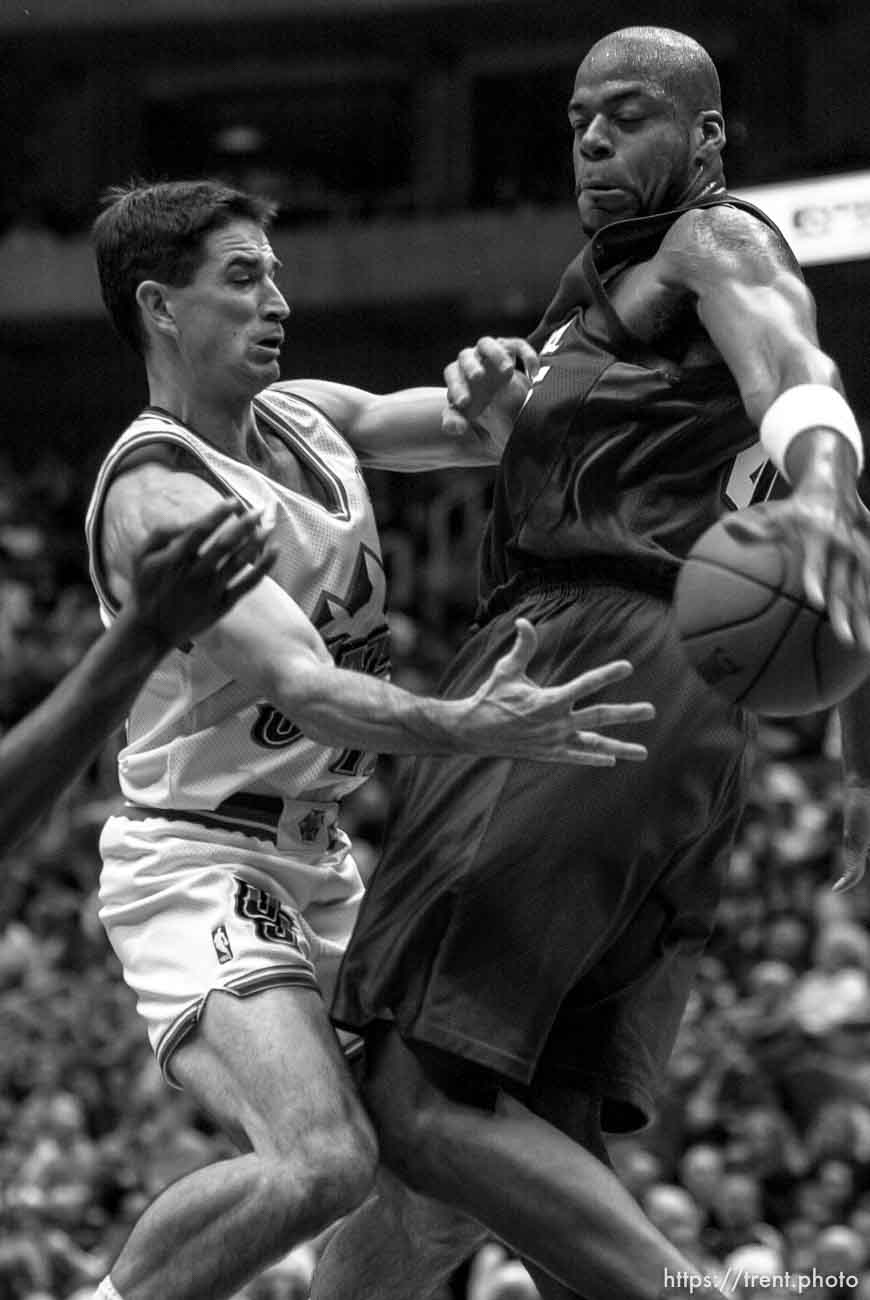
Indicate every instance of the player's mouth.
{"type": "Point", "coordinates": [270, 343]}
{"type": "Point", "coordinates": [601, 195]}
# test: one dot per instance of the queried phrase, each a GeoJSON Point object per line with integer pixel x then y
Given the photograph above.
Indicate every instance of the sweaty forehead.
{"type": "Point", "coordinates": [630, 64]}
{"type": "Point", "coordinates": [603, 74]}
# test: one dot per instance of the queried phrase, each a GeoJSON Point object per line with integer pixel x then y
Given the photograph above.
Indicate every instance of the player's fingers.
{"type": "Point", "coordinates": [485, 369]}
{"type": "Point", "coordinates": [471, 363]}
{"type": "Point", "coordinates": [594, 680]}
{"type": "Point", "coordinates": [458, 395]}
{"type": "Point", "coordinates": [524, 353]}
{"type": "Point", "coordinates": [454, 423]}
{"type": "Point", "coordinates": [573, 753]}
{"type": "Point", "coordinates": [861, 609]}
{"type": "Point", "coordinates": [162, 538]}
{"type": "Point", "coordinates": [496, 356]}
{"type": "Point", "coordinates": [184, 542]}
{"type": "Point", "coordinates": [239, 535]}
{"type": "Point", "coordinates": [840, 597]}
{"type": "Point", "coordinates": [255, 572]}
{"type": "Point", "coordinates": [613, 715]}
{"type": "Point", "coordinates": [618, 749]}
{"type": "Point", "coordinates": [518, 658]}
{"type": "Point", "coordinates": [856, 835]}
{"type": "Point", "coordinates": [854, 860]}
{"type": "Point", "coordinates": [815, 567]}
{"type": "Point", "coordinates": [208, 525]}
{"type": "Point", "coordinates": [756, 525]}
{"type": "Point", "coordinates": [247, 552]}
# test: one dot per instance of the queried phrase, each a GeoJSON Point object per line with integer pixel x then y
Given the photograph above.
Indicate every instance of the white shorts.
{"type": "Point", "coordinates": [189, 909]}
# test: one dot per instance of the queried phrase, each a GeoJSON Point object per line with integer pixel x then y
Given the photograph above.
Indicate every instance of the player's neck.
{"type": "Point", "coordinates": [226, 425]}
{"type": "Point", "coordinates": [705, 185]}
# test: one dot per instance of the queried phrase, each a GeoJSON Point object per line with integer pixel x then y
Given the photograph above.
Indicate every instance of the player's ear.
{"type": "Point", "coordinates": [709, 131]}
{"type": "Point", "coordinates": [156, 307]}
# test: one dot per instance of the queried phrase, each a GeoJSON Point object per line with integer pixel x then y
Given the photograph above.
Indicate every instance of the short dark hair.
{"type": "Point", "coordinates": [157, 231]}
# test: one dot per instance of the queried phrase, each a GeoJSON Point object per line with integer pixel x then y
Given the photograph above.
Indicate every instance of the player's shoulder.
{"type": "Point", "coordinates": [149, 489]}
{"type": "Point", "coordinates": [147, 497]}
{"type": "Point", "coordinates": [340, 404]}
{"type": "Point", "coordinates": [726, 237]}
{"type": "Point", "coordinates": [289, 397]}
{"type": "Point", "coordinates": [304, 389]}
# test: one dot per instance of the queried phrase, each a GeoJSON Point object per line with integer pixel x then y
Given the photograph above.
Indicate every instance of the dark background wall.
{"type": "Point", "coordinates": [420, 152]}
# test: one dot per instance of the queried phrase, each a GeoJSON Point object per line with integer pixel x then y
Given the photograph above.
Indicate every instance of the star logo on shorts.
{"type": "Point", "coordinates": [311, 825]}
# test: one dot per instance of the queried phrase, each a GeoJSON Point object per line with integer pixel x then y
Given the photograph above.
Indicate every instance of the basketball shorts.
{"type": "Point", "coordinates": [529, 918]}
{"type": "Point", "coordinates": [189, 909]}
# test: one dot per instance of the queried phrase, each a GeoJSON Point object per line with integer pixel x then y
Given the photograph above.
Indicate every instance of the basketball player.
{"type": "Point", "coordinates": [227, 888]}
{"type": "Point", "coordinates": [523, 955]}
{"type": "Point", "coordinates": [183, 580]}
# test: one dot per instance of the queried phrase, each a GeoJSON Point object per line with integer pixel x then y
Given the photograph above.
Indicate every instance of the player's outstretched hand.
{"type": "Point", "coordinates": [510, 715]}
{"type": "Point", "coordinates": [482, 373]}
{"type": "Point", "coordinates": [835, 539]}
{"type": "Point", "coordinates": [185, 579]}
{"type": "Point", "coordinates": [856, 833]}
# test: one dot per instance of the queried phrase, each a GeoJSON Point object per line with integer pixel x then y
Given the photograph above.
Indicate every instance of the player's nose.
{"type": "Point", "coordinates": [275, 305]}
{"type": "Point", "coordinates": [595, 141]}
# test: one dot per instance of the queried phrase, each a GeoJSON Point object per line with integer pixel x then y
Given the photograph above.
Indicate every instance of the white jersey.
{"type": "Point", "coordinates": [196, 736]}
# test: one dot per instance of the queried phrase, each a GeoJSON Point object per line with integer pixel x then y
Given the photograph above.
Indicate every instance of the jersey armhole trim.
{"type": "Point", "coordinates": [112, 468]}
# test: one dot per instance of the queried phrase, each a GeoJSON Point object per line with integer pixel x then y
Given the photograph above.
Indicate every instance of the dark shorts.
{"type": "Point", "coordinates": [530, 917]}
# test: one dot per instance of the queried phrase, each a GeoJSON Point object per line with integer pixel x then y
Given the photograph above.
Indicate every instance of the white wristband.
{"type": "Point", "coordinates": [807, 406]}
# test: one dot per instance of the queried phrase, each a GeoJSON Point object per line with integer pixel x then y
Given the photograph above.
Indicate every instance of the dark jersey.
{"type": "Point", "coordinates": [624, 452]}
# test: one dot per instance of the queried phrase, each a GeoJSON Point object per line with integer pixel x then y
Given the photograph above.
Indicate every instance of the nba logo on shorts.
{"type": "Point", "coordinates": [222, 946]}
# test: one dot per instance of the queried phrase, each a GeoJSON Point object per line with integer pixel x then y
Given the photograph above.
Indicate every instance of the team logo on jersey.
{"type": "Point", "coordinates": [272, 922]}
{"type": "Point", "coordinates": [538, 378]}
{"type": "Point", "coordinates": [222, 945]}
{"type": "Point", "coordinates": [336, 619]}
{"type": "Point", "coordinates": [752, 478]}
{"type": "Point", "coordinates": [555, 338]}
{"type": "Point", "coordinates": [272, 730]}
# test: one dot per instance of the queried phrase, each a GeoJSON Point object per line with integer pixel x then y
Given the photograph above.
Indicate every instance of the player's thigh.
{"type": "Point", "coordinates": [269, 1069]}
{"type": "Point", "coordinates": [571, 1110]}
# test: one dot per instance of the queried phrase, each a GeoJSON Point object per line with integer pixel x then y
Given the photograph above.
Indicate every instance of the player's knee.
{"type": "Point", "coordinates": [409, 1138]}
{"type": "Point", "coordinates": [329, 1171]}
{"type": "Point", "coordinates": [342, 1161]}
{"type": "Point", "coordinates": [405, 1092]}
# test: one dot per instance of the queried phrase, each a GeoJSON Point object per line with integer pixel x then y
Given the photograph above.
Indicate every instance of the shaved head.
{"type": "Point", "coordinates": [673, 62]}
{"type": "Point", "coordinates": [647, 124]}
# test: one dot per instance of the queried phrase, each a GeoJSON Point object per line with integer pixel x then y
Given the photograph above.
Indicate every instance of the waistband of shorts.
{"type": "Point", "coordinates": [264, 816]}
{"type": "Point", "coordinates": [646, 577]}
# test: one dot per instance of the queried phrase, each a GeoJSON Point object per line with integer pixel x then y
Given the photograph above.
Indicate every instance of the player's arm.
{"type": "Point", "coordinates": [180, 582]}
{"type": "Point", "coordinates": [267, 642]}
{"type": "Point", "coordinates": [756, 308]}
{"type": "Point", "coordinates": [758, 312]}
{"type": "Point", "coordinates": [417, 428]}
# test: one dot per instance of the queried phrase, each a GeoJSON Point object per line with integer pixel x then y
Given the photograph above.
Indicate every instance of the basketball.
{"type": "Point", "coordinates": [750, 632]}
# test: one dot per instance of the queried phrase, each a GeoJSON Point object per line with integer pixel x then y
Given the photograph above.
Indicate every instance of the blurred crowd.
{"type": "Point", "coordinates": [759, 1161]}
